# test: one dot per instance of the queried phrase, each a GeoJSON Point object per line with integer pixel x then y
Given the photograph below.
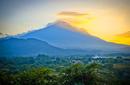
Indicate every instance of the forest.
{"type": "Point", "coordinates": [71, 70]}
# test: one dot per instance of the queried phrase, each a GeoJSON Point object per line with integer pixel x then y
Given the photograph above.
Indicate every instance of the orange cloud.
{"type": "Point", "coordinates": [76, 19]}
{"type": "Point", "coordinates": [126, 34]}
{"type": "Point", "coordinates": [67, 13]}
{"type": "Point", "coordinates": [123, 38]}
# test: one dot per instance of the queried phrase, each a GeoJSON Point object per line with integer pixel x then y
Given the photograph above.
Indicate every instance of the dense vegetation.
{"type": "Point", "coordinates": [81, 70]}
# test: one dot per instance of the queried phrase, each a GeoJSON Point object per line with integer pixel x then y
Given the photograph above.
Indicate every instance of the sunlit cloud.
{"type": "Point", "coordinates": [126, 34]}
{"type": "Point", "coordinates": [69, 13]}
{"type": "Point", "coordinates": [122, 38]}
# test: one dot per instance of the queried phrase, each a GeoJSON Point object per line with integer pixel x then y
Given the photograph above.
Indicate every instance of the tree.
{"type": "Point", "coordinates": [40, 76]}
{"type": "Point", "coordinates": [92, 74]}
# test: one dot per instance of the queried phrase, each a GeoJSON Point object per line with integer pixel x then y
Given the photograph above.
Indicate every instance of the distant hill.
{"type": "Point", "coordinates": [3, 35]}
{"type": "Point", "coordinates": [32, 47]}
{"type": "Point", "coordinates": [24, 47]}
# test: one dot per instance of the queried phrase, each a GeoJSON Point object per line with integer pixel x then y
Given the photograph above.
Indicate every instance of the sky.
{"type": "Point", "coordinates": [106, 19]}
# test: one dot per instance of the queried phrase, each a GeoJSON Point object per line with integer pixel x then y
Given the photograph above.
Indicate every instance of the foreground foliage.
{"type": "Point", "coordinates": [77, 74]}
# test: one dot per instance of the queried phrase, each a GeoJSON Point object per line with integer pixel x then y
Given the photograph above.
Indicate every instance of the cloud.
{"type": "Point", "coordinates": [126, 34]}
{"type": "Point", "coordinates": [68, 13]}
{"type": "Point", "coordinates": [123, 38]}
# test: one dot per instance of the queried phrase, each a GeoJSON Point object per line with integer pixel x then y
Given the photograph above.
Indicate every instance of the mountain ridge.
{"type": "Point", "coordinates": [55, 31]}
{"type": "Point", "coordinates": [33, 47]}
{"type": "Point", "coordinates": [58, 40]}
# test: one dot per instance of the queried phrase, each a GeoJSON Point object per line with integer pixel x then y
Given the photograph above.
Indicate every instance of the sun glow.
{"type": "Point", "coordinates": [121, 40]}
{"type": "Point", "coordinates": [104, 25]}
